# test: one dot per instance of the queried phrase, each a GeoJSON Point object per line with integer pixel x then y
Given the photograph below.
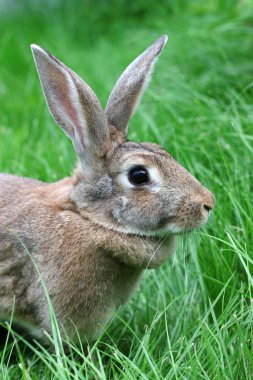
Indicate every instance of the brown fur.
{"type": "Point", "coordinates": [92, 234]}
{"type": "Point", "coordinates": [87, 281]}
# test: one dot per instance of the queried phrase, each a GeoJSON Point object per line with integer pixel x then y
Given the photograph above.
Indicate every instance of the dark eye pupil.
{"type": "Point", "coordinates": [138, 175]}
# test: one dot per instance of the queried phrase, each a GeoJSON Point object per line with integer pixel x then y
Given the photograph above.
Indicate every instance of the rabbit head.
{"type": "Point", "coordinates": [135, 188]}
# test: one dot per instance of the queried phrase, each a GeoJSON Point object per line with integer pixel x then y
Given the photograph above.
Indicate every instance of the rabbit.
{"type": "Point", "coordinates": [93, 234]}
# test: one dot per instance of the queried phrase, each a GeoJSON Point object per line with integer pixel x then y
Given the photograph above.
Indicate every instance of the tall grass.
{"type": "Point", "coordinates": [192, 318]}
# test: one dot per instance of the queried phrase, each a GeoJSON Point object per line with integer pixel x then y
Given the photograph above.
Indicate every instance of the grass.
{"type": "Point", "coordinates": [193, 317]}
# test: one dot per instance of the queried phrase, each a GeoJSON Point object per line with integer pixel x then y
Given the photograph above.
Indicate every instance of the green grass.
{"type": "Point", "coordinates": [193, 317]}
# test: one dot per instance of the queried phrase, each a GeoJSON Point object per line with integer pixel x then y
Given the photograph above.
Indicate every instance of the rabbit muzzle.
{"type": "Point", "coordinates": [194, 210]}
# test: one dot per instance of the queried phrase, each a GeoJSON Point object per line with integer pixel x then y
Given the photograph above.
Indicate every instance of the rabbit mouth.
{"type": "Point", "coordinates": [175, 226]}
{"type": "Point", "coordinates": [169, 228]}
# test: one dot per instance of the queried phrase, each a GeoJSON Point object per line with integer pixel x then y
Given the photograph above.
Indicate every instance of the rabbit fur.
{"type": "Point", "coordinates": [92, 234]}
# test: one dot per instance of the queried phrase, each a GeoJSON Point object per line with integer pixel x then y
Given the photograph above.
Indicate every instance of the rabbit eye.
{"type": "Point", "coordinates": [138, 176]}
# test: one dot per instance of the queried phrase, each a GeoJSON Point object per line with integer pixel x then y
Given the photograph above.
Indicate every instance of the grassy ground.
{"type": "Point", "coordinates": [192, 318]}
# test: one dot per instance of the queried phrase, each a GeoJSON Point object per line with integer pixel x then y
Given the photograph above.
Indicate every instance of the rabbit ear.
{"type": "Point", "coordinates": [75, 108]}
{"type": "Point", "coordinates": [128, 90]}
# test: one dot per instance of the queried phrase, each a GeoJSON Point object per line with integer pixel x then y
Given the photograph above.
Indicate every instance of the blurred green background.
{"type": "Point", "coordinates": [192, 318]}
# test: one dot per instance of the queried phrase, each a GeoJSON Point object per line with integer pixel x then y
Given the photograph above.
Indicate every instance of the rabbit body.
{"type": "Point", "coordinates": [91, 235]}
{"type": "Point", "coordinates": [88, 275]}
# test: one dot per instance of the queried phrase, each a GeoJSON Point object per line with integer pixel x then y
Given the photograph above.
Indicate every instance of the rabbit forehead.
{"type": "Point", "coordinates": [147, 154]}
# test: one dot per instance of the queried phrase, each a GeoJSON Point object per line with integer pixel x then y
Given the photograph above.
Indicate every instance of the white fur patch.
{"type": "Point", "coordinates": [170, 228]}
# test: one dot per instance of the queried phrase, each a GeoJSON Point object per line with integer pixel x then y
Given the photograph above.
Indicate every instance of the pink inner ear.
{"type": "Point", "coordinates": [73, 115]}
{"type": "Point", "coordinates": [68, 105]}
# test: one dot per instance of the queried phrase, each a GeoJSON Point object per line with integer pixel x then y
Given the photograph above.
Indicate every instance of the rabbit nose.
{"type": "Point", "coordinates": [208, 207]}
{"type": "Point", "coordinates": [208, 202]}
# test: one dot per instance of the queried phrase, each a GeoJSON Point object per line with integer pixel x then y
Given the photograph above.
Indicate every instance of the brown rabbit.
{"type": "Point", "coordinates": [92, 234]}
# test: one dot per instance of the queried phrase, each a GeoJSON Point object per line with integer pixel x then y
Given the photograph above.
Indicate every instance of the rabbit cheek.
{"type": "Point", "coordinates": [121, 210]}
{"type": "Point", "coordinates": [136, 212]}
